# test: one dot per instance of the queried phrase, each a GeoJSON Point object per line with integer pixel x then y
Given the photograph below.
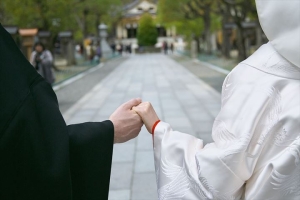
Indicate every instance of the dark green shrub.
{"type": "Point", "coordinates": [147, 33]}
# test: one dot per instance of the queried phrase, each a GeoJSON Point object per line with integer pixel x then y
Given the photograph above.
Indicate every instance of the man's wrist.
{"type": "Point", "coordinates": [116, 140]}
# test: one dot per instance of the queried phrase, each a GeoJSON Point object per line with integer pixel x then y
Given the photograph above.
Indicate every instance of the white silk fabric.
{"type": "Point", "coordinates": [256, 148]}
{"type": "Point", "coordinates": [280, 20]}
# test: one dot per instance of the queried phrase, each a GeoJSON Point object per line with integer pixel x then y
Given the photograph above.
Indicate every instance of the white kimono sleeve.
{"type": "Point", "coordinates": [187, 170]}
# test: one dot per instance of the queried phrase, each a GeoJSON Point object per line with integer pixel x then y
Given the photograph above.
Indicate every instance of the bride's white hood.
{"type": "Point", "coordinates": [280, 20]}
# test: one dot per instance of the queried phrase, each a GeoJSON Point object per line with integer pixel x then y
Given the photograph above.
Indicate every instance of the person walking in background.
{"type": "Point", "coordinates": [42, 60]}
{"type": "Point", "coordinates": [128, 48]}
{"type": "Point", "coordinates": [113, 47]}
{"type": "Point", "coordinates": [172, 47]}
{"type": "Point", "coordinates": [88, 50]}
{"type": "Point", "coordinates": [165, 47]}
{"type": "Point", "coordinates": [98, 53]}
{"type": "Point", "coordinates": [120, 48]}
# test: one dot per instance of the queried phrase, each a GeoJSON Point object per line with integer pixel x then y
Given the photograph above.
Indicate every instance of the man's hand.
{"type": "Point", "coordinates": [147, 113]}
{"type": "Point", "coordinates": [127, 123]}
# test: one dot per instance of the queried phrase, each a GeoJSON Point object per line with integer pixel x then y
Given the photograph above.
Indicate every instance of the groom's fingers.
{"type": "Point", "coordinates": [132, 103]}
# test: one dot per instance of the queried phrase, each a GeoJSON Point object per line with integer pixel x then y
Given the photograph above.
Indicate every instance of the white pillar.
{"type": "Point", "coordinates": [169, 32]}
{"type": "Point", "coordinates": [173, 30]}
{"type": "Point", "coordinates": [194, 49]}
{"type": "Point", "coordinates": [213, 41]}
{"type": "Point", "coordinates": [124, 32]}
{"type": "Point", "coordinates": [119, 31]}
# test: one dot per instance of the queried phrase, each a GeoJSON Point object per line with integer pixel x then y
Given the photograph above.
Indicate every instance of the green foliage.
{"type": "Point", "coordinates": [171, 13]}
{"type": "Point", "coordinates": [171, 10]}
{"type": "Point", "coordinates": [36, 13]}
{"type": "Point", "coordinates": [147, 33]}
{"type": "Point", "coordinates": [60, 15]}
{"type": "Point", "coordinates": [190, 28]}
{"type": "Point", "coordinates": [216, 22]}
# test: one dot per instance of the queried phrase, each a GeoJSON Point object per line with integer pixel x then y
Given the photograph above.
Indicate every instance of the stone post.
{"type": "Point", "coordinates": [67, 46]}
{"type": "Point", "coordinates": [106, 51]}
{"type": "Point", "coordinates": [194, 49]}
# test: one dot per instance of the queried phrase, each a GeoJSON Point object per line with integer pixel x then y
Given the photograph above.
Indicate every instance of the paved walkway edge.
{"type": "Point", "coordinates": [76, 77]}
{"type": "Point", "coordinates": [212, 90]}
{"type": "Point", "coordinates": [214, 67]}
{"type": "Point", "coordinates": [211, 66]}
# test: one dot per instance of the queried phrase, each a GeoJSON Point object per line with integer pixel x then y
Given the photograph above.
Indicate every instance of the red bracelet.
{"type": "Point", "coordinates": [154, 125]}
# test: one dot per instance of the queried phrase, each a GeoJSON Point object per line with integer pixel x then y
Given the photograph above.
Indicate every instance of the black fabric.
{"type": "Point", "coordinates": [41, 157]}
{"type": "Point", "coordinates": [90, 159]}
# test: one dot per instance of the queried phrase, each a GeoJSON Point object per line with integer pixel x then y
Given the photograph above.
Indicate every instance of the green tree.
{"type": "Point", "coordinates": [90, 13]}
{"type": "Point", "coordinates": [80, 16]}
{"type": "Point", "coordinates": [47, 15]}
{"type": "Point", "coordinates": [240, 11]}
{"type": "Point", "coordinates": [147, 33]}
{"type": "Point", "coordinates": [189, 14]}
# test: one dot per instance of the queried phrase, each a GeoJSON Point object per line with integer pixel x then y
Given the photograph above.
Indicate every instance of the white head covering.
{"type": "Point", "coordinates": [280, 20]}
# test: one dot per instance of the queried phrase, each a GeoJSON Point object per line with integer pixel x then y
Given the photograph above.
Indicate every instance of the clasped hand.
{"type": "Point", "coordinates": [129, 118]}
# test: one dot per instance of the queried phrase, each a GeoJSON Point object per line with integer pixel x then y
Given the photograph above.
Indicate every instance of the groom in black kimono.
{"type": "Point", "coordinates": [40, 156]}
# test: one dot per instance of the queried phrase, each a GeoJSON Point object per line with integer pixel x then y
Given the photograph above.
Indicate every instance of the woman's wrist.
{"type": "Point", "coordinates": [154, 126]}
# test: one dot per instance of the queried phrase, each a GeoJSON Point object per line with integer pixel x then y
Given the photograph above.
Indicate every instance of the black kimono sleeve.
{"type": "Point", "coordinates": [42, 158]}
{"type": "Point", "coordinates": [91, 147]}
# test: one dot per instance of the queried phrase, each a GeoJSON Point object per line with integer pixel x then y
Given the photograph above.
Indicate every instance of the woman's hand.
{"type": "Point", "coordinates": [147, 113]}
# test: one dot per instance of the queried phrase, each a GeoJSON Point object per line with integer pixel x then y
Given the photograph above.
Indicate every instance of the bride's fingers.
{"type": "Point", "coordinates": [136, 110]}
{"type": "Point", "coordinates": [143, 108]}
{"type": "Point", "coordinates": [132, 110]}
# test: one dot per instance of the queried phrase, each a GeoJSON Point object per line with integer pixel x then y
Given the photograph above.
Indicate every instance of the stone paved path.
{"type": "Point", "coordinates": [179, 97]}
{"type": "Point", "coordinates": [211, 77]}
{"type": "Point", "coordinates": [70, 94]}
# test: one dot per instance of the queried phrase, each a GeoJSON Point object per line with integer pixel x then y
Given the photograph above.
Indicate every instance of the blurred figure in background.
{"type": "Point", "coordinates": [42, 60]}
{"type": "Point", "coordinates": [165, 47]}
{"type": "Point", "coordinates": [172, 47]}
{"type": "Point", "coordinates": [113, 47]}
{"type": "Point", "coordinates": [128, 48]}
{"type": "Point", "coordinates": [119, 48]}
{"type": "Point", "coordinates": [88, 50]}
{"type": "Point", "coordinates": [98, 53]}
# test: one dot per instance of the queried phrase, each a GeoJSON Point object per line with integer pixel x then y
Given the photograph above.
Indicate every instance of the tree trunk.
{"type": "Point", "coordinates": [97, 23]}
{"type": "Point", "coordinates": [241, 43]}
{"type": "Point", "coordinates": [207, 26]}
{"type": "Point", "coordinates": [226, 43]}
{"type": "Point", "coordinates": [259, 33]}
{"type": "Point", "coordinates": [197, 39]}
{"type": "Point", "coordinates": [84, 22]}
{"type": "Point", "coordinates": [226, 38]}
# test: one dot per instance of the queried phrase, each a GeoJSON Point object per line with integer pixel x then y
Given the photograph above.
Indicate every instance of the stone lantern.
{"type": "Point", "coordinates": [67, 46]}
{"type": "Point", "coordinates": [105, 48]}
{"type": "Point", "coordinates": [102, 30]}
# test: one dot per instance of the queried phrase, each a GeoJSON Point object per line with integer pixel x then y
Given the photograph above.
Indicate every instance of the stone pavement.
{"type": "Point", "coordinates": [70, 94]}
{"type": "Point", "coordinates": [178, 96]}
{"type": "Point", "coordinates": [211, 77]}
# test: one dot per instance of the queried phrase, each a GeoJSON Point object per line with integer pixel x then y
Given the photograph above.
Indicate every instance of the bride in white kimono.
{"type": "Point", "coordinates": [256, 149]}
